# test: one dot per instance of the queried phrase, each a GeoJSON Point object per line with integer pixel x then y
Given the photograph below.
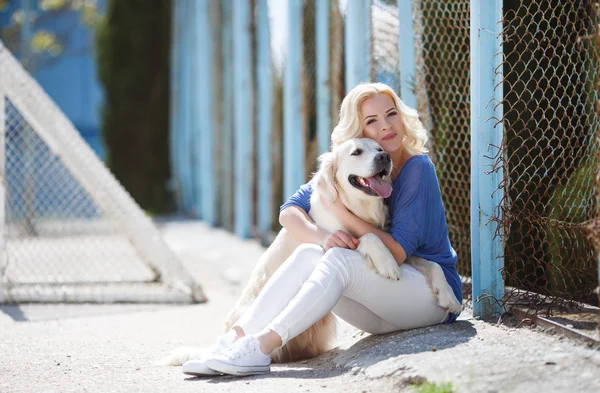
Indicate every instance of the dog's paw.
{"type": "Point", "coordinates": [388, 269]}
{"type": "Point", "coordinates": [369, 262]}
{"type": "Point", "coordinates": [378, 257]}
{"type": "Point", "coordinates": [446, 299]}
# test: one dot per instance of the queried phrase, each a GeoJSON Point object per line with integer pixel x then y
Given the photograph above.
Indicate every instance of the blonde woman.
{"type": "Point", "coordinates": [326, 274]}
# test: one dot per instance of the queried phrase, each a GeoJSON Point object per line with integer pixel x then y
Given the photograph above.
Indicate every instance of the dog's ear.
{"type": "Point", "coordinates": [325, 176]}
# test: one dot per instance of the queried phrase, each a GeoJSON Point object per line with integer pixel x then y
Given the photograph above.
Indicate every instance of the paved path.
{"type": "Point", "coordinates": [112, 348]}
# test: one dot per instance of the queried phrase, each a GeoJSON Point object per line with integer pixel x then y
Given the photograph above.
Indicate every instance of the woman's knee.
{"type": "Point", "coordinates": [309, 250]}
{"type": "Point", "coordinates": [342, 259]}
{"type": "Point", "coordinates": [306, 255]}
{"type": "Point", "coordinates": [344, 255]}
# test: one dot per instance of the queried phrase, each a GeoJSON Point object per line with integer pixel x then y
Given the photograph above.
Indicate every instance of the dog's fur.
{"type": "Point", "coordinates": [332, 180]}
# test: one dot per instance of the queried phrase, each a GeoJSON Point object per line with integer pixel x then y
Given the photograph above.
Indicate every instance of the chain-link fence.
{"type": "Point", "coordinates": [550, 149]}
{"type": "Point", "coordinates": [70, 232]}
{"type": "Point", "coordinates": [549, 153]}
{"type": "Point", "coordinates": [442, 87]}
{"type": "Point", "coordinates": [55, 231]}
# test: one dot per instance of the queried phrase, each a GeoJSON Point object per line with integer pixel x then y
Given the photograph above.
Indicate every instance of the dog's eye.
{"type": "Point", "coordinates": [357, 152]}
{"type": "Point", "coordinates": [379, 149]}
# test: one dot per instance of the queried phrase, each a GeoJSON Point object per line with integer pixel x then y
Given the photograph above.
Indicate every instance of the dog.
{"type": "Point", "coordinates": [358, 172]}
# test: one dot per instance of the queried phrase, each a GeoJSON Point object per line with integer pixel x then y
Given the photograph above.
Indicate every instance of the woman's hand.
{"type": "Point", "coordinates": [340, 239]}
{"type": "Point", "coordinates": [357, 227]}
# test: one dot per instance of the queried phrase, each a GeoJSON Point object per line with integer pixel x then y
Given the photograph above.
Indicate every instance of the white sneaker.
{"type": "Point", "coordinates": [198, 367]}
{"type": "Point", "coordinates": [243, 357]}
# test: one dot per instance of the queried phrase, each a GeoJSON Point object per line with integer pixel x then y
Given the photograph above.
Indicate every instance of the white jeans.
{"type": "Point", "coordinates": [313, 282]}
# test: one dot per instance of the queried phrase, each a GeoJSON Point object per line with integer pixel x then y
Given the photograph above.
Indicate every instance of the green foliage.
{"type": "Point", "coordinates": [133, 45]}
{"type": "Point", "coordinates": [571, 252]}
{"type": "Point", "coordinates": [42, 45]}
{"type": "Point", "coordinates": [430, 387]}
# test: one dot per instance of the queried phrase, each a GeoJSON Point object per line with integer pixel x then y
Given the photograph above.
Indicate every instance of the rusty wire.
{"type": "Point", "coordinates": [549, 154]}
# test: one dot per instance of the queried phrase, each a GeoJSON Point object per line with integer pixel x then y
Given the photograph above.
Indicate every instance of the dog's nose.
{"type": "Point", "coordinates": [383, 158]}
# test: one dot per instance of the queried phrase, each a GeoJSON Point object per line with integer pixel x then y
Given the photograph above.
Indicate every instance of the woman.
{"type": "Point", "coordinates": [326, 273]}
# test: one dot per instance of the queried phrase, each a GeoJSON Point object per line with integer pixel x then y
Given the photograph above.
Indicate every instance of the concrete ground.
{"type": "Point", "coordinates": [113, 348]}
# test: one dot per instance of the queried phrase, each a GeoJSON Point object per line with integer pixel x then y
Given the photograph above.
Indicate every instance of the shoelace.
{"type": "Point", "coordinates": [242, 349]}
{"type": "Point", "coordinates": [222, 343]}
{"type": "Point", "coordinates": [225, 341]}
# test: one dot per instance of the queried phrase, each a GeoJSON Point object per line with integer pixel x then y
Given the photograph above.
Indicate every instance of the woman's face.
{"type": "Point", "coordinates": [382, 122]}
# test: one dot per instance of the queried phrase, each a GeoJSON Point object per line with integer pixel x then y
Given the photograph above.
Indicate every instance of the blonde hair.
{"type": "Point", "coordinates": [350, 124]}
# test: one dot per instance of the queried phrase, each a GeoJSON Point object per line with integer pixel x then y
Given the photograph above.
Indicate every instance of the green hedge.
{"type": "Point", "coordinates": [133, 47]}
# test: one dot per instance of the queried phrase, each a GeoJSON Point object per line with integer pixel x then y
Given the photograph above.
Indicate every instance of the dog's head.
{"type": "Point", "coordinates": [358, 167]}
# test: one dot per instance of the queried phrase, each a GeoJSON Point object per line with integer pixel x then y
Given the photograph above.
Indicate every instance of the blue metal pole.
{"type": "Point", "coordinates": [293, 138]}
{"type": "Point", "coordinates": [358, 42]}
{"type": "Point", "coordinates": [226, 115]}
{"type": "Point", "coordinates": [203, 89]}
{"type": "Point", "coordinates": [323, 84]}
{"type": "Point", "coordinates": [185, 141]}
{"type": "Point", "coordinates": [194, 100]}
{"type": "Point", "coordinates": [407, 53]}
{"type": "Point", "coordinates": [265, 112]}
{"type": "Point", "coordinates": [175, 121]}
{"type": "Point", "coordinates": [26, 35]}
{"type": "Point", "coordinates": [242, 59]}
{"type": "Point", "coordinates": [486, 132]}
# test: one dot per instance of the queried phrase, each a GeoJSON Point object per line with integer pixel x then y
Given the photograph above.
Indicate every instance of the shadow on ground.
{"type": "Point", "coordinates": [366, 352]}
{"type": "Point", "coordinates": [377, 348]}
{"type": "Point", "coordinates": [15, 312]}
{"type": "Point", "coordinates": [35, 312]}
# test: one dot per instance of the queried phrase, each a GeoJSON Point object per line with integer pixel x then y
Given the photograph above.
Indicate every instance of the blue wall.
{"type": "Point", "coordinates": [71, 78]}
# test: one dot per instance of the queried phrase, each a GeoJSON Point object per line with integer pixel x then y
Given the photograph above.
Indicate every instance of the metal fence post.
{"type": "Point", "coordinates": [323, 83]}
{"type": "Point", "coordinates": [243, 119]}
{"type": "Point", "coordinates": [194, 100]}
{"type": "Point", "coordinates": [358, 42]}
{"type": "Point", "coordinates": [486, 135]}
{"type": "Point", "coordinates": [175, 92]}
{"type": "Point", "coordinates": [265, 111]}
{"type": "Point", "coordinates": [293, 139]}
{"type": "Point", "coordinates": [203, 89]}
{"type": "Point", "coordinates": [407, 53]}
{"type": "Point", "coordinates": [226, 117]}
{"type": "Point", "coordinates": [185, 141]}
{"type": "Point", "coordinates": [192, 104]}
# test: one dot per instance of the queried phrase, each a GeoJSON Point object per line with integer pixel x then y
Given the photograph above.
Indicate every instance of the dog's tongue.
{"type": "Point", "coordinates": [382, 188]}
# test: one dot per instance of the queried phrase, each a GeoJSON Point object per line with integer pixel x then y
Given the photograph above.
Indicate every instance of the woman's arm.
{"type": "Point", "coordinates": [298, 223]}
{"type": "Point", "coordinates": [301, 226]}
{"type": "Point", "coordinates": [358, 228]}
